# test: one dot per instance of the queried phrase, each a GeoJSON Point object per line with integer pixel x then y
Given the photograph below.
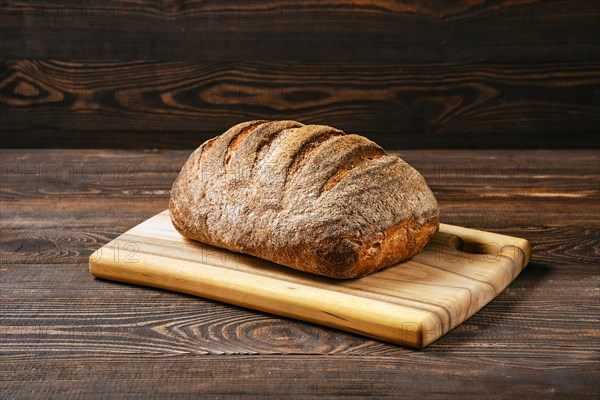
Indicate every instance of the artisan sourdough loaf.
{"type": "Point", "coordinates": [309, 197]}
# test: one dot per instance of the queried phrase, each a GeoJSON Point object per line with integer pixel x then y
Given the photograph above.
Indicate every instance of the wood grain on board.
{"type": "Point", "coordinates": [412, 303]}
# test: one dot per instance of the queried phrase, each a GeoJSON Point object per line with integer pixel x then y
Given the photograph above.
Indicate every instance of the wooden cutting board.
{"type": "Point", "coordinates": [411, 303]}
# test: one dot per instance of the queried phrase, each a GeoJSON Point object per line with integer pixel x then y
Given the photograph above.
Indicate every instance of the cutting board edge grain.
{"type": "Point", "coordinates": [139, 256]}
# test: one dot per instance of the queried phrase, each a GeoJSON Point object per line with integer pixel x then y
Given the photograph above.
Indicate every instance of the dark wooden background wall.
{"type": "Point", "coordinates": [408, 74]}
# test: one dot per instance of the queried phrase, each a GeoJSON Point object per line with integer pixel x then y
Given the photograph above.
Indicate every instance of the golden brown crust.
{"type": "Point", "coordinates": [306, 196]}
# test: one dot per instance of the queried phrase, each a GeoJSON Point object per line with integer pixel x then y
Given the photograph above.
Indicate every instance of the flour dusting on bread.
{"type": "Point", "coordinates": [309, 197]}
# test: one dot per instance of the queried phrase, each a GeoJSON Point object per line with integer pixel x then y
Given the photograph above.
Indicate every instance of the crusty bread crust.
{"type": "Point", "coordinates": [308, 197]}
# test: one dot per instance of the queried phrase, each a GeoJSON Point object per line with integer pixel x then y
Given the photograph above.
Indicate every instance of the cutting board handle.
{"type": "Point", "coordinates": [482, 242]}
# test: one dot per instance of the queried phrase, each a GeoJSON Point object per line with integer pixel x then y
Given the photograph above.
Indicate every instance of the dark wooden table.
{"type": "Point", "coordinates": [65, 334]}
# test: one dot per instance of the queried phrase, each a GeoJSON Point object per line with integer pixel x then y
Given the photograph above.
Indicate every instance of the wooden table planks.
{"type": "Point", "coordinates": [62, 332]}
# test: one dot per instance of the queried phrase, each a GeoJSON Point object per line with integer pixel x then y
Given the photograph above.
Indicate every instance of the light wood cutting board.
{"type": "Point", "coordinates": [411, 303]}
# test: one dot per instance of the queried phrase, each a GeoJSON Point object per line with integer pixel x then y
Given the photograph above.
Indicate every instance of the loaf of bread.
{"type": "Point", "coordinates": [309, 197]}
